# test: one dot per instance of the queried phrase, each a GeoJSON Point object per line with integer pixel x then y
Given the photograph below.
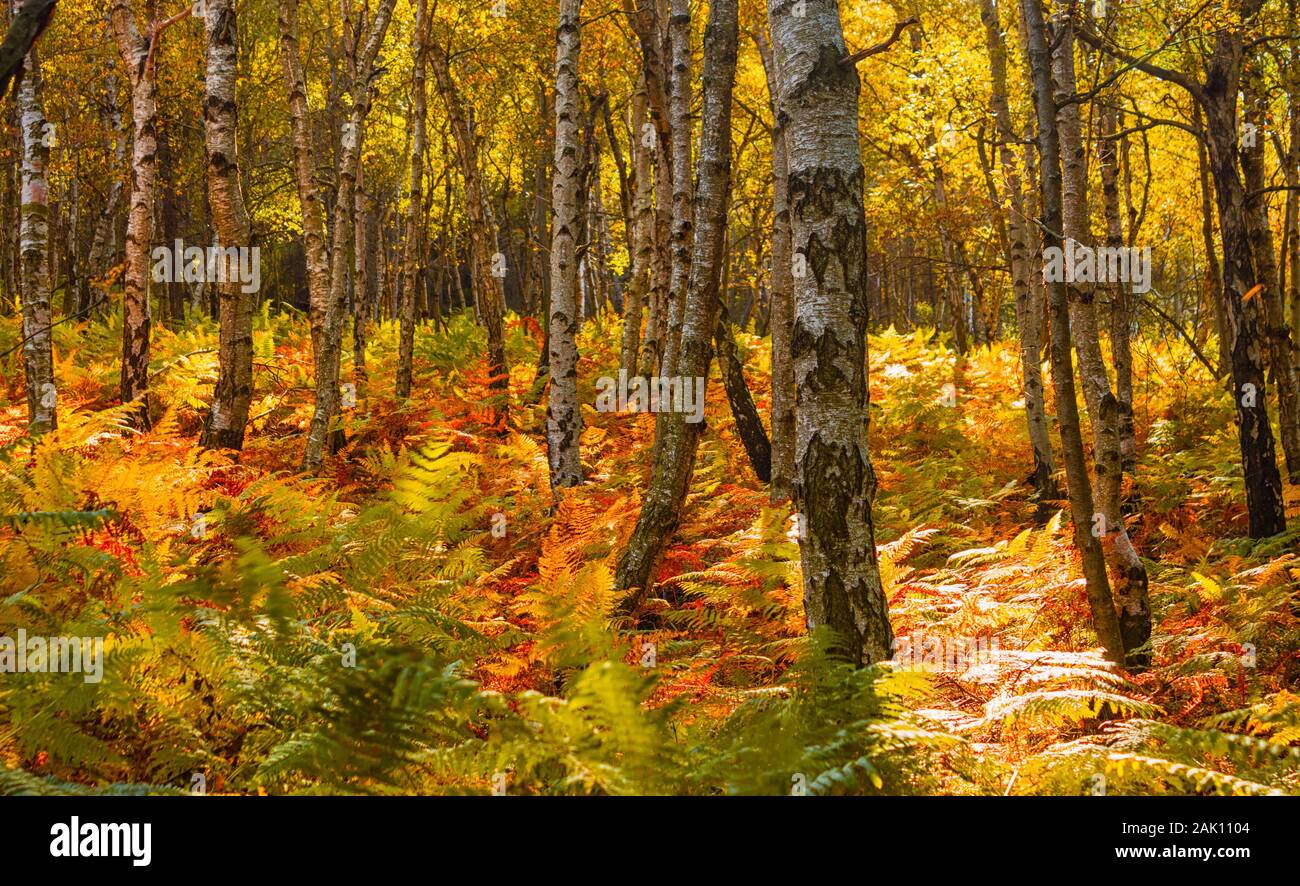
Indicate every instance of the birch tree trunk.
{"type": "Point", "coordinates": [1105, 621]}
{"type": "Point", "coordinates": [166, 217]}
{"type": "Point", "coordinates": [1293, 196]}
{"type": "Point", "coordinates": [834, 483]}
{"type": "Point", "coordinates": [647, 20]}
{"type": "Point", "coordinates": [1120, 304]}
{"type": "Point", "coordinates": [488, 295]}
{"type": "Point", "coordinates": [782, 296]}
{"type": "Point", "coordinates": [234, 391]}
{"type": "Point", "coordinates": [313, 210]}
{"type": "Point", "coordinates": [1109, 122]}
{"type": "Point", "coordinates": [134, 49]}
{"type": "Point", "coordinates": [539, 217]}
{"type": "Point", "coordinates": [656, 325]}
{"type": "Point", "coordinates": [1213, 278]}
{"type": "Point", "coordinates": [563, 418]}
{"type": "Point", "coordinates": [1217, 97]}
{"type": "Point", "coordinates": [679, 30]}
{"type": "Point", "coordinates": [410, 251]}
{"type": "Point", "coordinates": [1127, 570]}
{"type": "Point", "coordinates": [1277, 335]}
{"type": "Point", "coordinates": [642, 232]}
{"type": "Point", "coordinates": [1244, 316]}
{"type": "Point", "coordinates": [1029, 304]}
{"type": "Point", "coordinates": [329, 316]}
{"type": "Point", "coordinates": [363, 306]}
{"type": "Point", "coordinates": [678, 439]}
{"type": "Point", "coordinates": [102, 238]}
{"type": "Point", "coordinates": [34, 254]}
{"type": "Point", "coordinates": [749, 425]}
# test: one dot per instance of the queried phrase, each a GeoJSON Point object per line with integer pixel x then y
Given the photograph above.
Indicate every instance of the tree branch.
{"type": "Point", "coordinates": [28, 23]}
{"type": "Point", "coordinates": [1141, 64]}
{"type": "Point", "coordinates": [899, 28]}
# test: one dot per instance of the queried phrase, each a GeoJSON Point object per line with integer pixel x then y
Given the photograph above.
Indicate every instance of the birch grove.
{"type": "Point", "coordinates": [664, 396]}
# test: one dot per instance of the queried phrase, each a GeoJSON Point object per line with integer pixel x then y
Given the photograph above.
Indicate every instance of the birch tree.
{"type": "Point", "coordinates": [1126, 567]}
{"type": "Point", "coordinates": [34, 253]}
{"type": "Point", "coordinates": [234, 391]}
{"type": "Point", "coordinates": [321, 311]}
{"type": "Point", "coordinates": [136, 52]}
{"type": "Point", "coordinates": [1028, 299]}
{"type": "Point", "coordinates": [1216, 95]}
{"type": "Point", "coordinates": [834, 482]}
{"type": "Point", "coordinates": [782, 292]}
{"type": "Point", "coordinates": [487, 287]}
{"type": "Point", "coordinates": [1105, 621]}
{"type": "Point", "coordinates": [679, 31]}
{"type": "Point", "coordinates": [327, 274]}
{"type": "Point", "coordinates": [674, 457]}
{"type": "Point", "coordinates": [642, 231]}
{"type": "Point", "coordinates": [647, 18]}
{"type": "Point", "coordinates": [1277, 335]}
{"type": "Point", "coordinates": [563, 418]}
{"type": "Point", "coordinates": [410, 251]}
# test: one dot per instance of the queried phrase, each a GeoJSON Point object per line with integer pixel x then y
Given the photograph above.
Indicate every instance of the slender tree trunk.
{"type": "Point", "coordinates": [1213, 280]}
{"type": "Point", "coordinates": [488, 292]}
{"type": "Point", "coordinates": [327, 275]}
{"type": "Point", "coordinates": [598, 224]}
{"type": "Point", "coordinates": [540, 208]}
{"type": "Point", "coordinates": [10, 205]}
{"type": "Point", "coordinates": [313, 210]}
{"type": "Point", "coordinates": [102, 238]}
{"type": "Point", "coordinates": [1104, 618]}
{"type": "Point", "coordinates": [364, 264]}
{"type": "Point", "coordinates": [625, 186]}
{"type": "Point", "coordinates": [1127, 570]}
{"type": "Point", "coordinates": [1217, 97]}
{"type": "Point", "coordinates": [72, 247]}
{"type": "Point", "coordinates": [166, 219]}
{"type": "Point", "coordinates": [234, 391]}
{"type": "Point", "coordinates": [834, 483]}
{"type": "Point", "coordinates": [34, 253]}
{"type": "Point", "coordinates": [137, 59]}
{"type": "Point", "coordinates": [1277, 335]}
{"type": "Point", "coordinates": [647, 20]}
{"type": "Point", "coordinates": [563, 418]}
{"type": "Point", "coordinates": [410, 248]}
{"type": "Point", "coordinates": [679, 29]}
{"type": "Point", "coordinates": [641, 231]}
{"type": "Point", "coordinates": [653, 340]}
{"type": "Point", "coordinates": [782, 294]}
{"type": "Point", "coordinates": [749, 425]}
{"type": "Point", "coordinates": [675, 455]}
{"type": "Point", "coordinates": [1244, 316]}
{"type": "Point", "coordinates": [1121, 308]}
{"type": "Point", "coordinates": [1292, 164]}
{"type": "Point", "coordinates": [1029, 306]}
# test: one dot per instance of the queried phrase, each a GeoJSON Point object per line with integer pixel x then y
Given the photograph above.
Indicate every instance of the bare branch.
{"type": "Point", "coordinates": [899, 28]}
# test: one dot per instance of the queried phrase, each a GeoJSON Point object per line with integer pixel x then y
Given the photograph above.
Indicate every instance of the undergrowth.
{"type": "Point", "coordinates": [423, 617]}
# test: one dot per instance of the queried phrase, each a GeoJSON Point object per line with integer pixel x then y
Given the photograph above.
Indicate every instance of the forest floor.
{"type": "Point", "coordinates": [517, 589]}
